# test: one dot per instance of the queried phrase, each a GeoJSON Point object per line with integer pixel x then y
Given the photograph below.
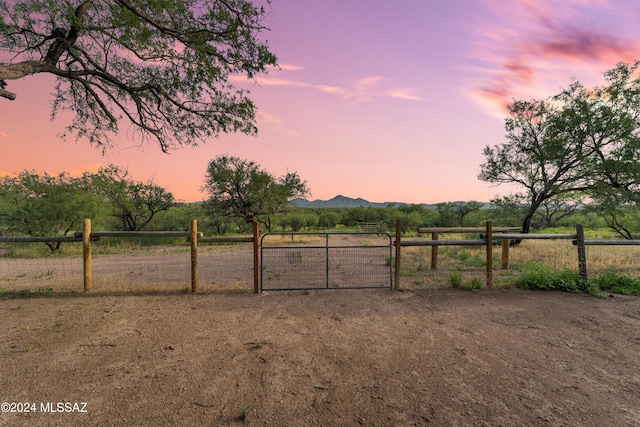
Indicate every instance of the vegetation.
{"type": "Point", "coordinates": [543, 277]}
{"type": "Point", "coordinates": [45, 205]}
{"type": "Point", "coordinates": [163, 66]}
{"type": "Point", "coordinates": [241, 189]}
{"type": "Point", "coordinates": [580, 144]}
{"type": "Point", "coordinates": [42, 205]}
{"type": "Point", "coordinates": [134, 204]}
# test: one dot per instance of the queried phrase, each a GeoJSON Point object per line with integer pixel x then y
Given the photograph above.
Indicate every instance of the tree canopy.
{"type": "Point", "coordinates": [581, 143]}
{"type": "Point", "coordinates": [161, 66]}
{"type": "Point", "coordinates": [134, 204]}
{"type": "Point", "coordinates": [240, 188]}
{"type": "Point", "coordinates": [45, 205]}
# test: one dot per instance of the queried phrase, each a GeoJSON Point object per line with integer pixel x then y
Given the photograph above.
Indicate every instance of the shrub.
{"type": "Point", "coordinates": [540, 276]}
{"type": "Point", "coordinates": [617, 283]}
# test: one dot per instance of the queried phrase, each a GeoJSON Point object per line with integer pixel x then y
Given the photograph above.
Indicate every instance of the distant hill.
{"type": "Point", "coordinates": [347, 202]}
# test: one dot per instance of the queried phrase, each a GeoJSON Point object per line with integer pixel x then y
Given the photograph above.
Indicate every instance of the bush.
{"type": "Point", "coordinates": [540, 276]}
{"type": "Point", "coordinates": [617, 283]}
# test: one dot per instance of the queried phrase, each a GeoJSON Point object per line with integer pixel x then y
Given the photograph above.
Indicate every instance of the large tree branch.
{"type": "Point", "coordinates": [64, 43]}
{"type": "Point", "coordinates": [19, 70]}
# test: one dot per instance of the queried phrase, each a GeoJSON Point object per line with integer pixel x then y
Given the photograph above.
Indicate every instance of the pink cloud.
{"type": "Point", "coordinates": [362, 89]}
{"type": "Point", "coordinates": [573, 44]}
{"type": "Point", "coordinates": [290, 67]}
{"type": "Point", "coordinates": [535, 47]}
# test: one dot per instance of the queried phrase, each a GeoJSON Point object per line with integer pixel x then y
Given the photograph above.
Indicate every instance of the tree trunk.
{"type": "Point", "coordinates": [526, 222]}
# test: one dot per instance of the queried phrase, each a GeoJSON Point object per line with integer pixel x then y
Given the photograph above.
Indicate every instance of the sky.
{"type": "Point", "coordinates": [387, 101]}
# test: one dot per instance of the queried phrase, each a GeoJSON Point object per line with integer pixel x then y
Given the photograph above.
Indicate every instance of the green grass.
{"type": "Point", "coordinates": [457, 282]}
{"type": "Point", "coordinates": [540, 276]}
{"type": "Point", "coordinates": [616, 283]}
{"type": "Point", "coordinates": [24, 293]}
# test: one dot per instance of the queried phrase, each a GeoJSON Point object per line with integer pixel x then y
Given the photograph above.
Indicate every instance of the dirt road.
{"type": "Point", "coordinates": [367, 357]}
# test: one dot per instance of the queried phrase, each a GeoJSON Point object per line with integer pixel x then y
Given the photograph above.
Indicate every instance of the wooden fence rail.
{"type": "Point", "coordinates": [86, 236]}
{"type": "Point", "coordinates": [488, 238]}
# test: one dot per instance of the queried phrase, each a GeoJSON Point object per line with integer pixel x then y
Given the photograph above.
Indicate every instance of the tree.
{"type": "Point", "coordinates": [134, 204]}
{"type": "Point", "coordinates": [575, 142]}
{"type": "Point", "coordinates": [239, 188]}
{"type": "Point", "coordinates": [454, 213]}
{"type": "Point", "coordinates": [328, 218]}
{"type": "Point", "coordinates": [45, 205]}
{"type": "Point", "coordinates": [536, 157]}
{"type": "Point", "coordinates": [616, 193]}
{"type": "Point", "coordinates": [162, 66]}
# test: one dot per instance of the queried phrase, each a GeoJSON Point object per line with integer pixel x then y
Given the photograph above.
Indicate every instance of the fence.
{"type": "Point", "coordinates": [436, 231]}
{"type": "Point", "coordinates": [87, 236]}
{"type": "Point", "coordinates": [490, 236]}
{"type": "Point", "coordinates": [487, 239]}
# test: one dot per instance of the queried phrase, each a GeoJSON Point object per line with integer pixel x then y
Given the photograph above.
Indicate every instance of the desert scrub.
{"type": "Point", "coordinates": [616, 283]}
{"type": "Point", "coordinates": [541, 276]}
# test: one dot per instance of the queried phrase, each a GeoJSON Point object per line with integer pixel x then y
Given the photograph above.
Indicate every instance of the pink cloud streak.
{"type": "Point", "coordinates": [546, 53]}
{"type": "Point", "coordinates": [362, 89]}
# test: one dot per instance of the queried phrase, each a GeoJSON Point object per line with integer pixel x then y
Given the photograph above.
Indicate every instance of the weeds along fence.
{"type": "Point", "coordinates": [489, 237]}
{"type": "Point", "coordinates": [87, 236]}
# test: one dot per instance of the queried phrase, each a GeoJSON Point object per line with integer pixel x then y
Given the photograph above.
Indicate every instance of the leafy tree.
{"type": "Point", "coordinates": [133, 203]}
{"type": "Point", "coordinates": [537, 157]}
{"type": "Point", "coordinates": [298, 219]}
{"type": "Point", "coordinates": [451, 214]}
{"type": "Point", "coordinates": [328, 218]}
{"type": "Point", "coordinates": [508, 211]}
{"type": "Point", "coordinates": [553, 211]}
{"type": "Point", "coordinates": [621, 214]}
{"type": "Point", "coordinates": [579, 141]}
{"type": "Point", "coordinates": [240, 188]}
{"type": "Point", "coordinates": [409, 221]}
{"type": "Point", "coordinates": [178, 218]}
{"type": "Point", "coordinates": [45, 205]}
{"type": "Point", "coordinates": [161, 66]}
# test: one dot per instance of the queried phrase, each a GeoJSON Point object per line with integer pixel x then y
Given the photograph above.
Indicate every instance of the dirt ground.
{"type": "Point", "coordinates": [442, 357]}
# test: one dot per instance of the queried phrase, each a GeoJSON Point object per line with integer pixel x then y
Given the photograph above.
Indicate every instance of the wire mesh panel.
{"type": "Point", "coordinates": [325, 260]}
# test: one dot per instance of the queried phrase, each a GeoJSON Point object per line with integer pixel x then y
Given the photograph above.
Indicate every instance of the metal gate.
{"type": "Point", "coordinates": [291, 261]}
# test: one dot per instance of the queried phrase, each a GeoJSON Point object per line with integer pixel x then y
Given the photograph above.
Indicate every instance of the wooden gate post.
{"type": "Point", "coordinates": [86, 255]}
{"type": "Point", "coordinates": [194, 255]}
{"type": "Point", "coordinates": [582, 253]}
{"type": "Point", "coordinates": [256, 257]}
{"type": "Point", "coordinates": [489, 236]}
{"type": "Point", "coordinates": [396, 279]}
{"type": "Point", "coordinates": [434, 252]}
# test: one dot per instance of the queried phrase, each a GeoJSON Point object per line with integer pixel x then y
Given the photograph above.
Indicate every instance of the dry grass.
{"type": "Point", "coordinates": [561, 254]}
{"type": "Point", "coordinates": [469, 262]}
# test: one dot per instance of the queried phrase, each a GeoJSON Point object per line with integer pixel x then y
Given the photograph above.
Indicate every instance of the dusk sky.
{"type": "Point", "coordinates": [388, 101]}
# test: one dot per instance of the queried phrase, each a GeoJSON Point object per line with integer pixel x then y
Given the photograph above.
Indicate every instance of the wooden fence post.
{"type": "Point", "coordinates": [86, 255]}
{"type": "Point", "coordinates": [194, 255]}
{"type": "Point", "coordinates": [489, 237]}
{"type": "Point", "coordinates": [434, 252]}
{"type": "Point", "coordinates": [505, 254]}
{"type": "Point", "coordinates": [396, 279]}
{"type": "Point", "coordinates": [582, 254]}
{"type": "Point", "coordinates": [256, 258]}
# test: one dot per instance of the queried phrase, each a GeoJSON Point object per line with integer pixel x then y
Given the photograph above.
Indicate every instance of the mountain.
{"type": "Point", "coordinates": [346, 202]}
